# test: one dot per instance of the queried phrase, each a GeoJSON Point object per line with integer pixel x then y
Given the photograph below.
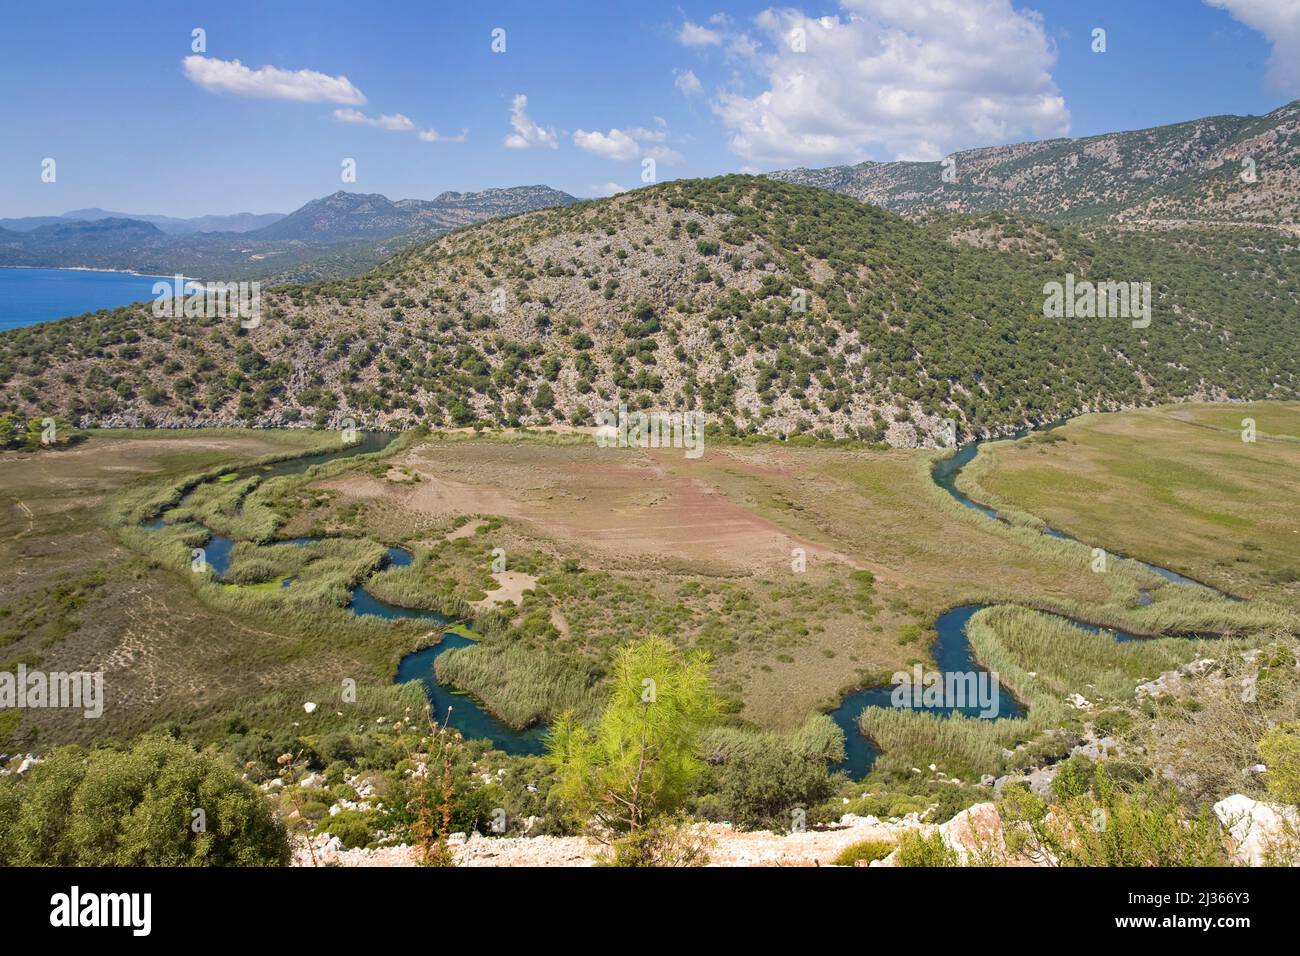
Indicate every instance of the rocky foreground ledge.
{"type": "Point", "coordinates": [1253, 831]}
{"type": "Point", "coordinates": [731, 847]}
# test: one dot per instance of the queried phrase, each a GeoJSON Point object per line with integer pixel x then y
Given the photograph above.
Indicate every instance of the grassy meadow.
{"type": "Point", "coordinates": [1176, 486]}
{"type": "Point", "coordinates": [803, 569]}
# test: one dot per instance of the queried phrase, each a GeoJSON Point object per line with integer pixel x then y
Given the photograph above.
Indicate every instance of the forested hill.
{"type": "Point", "coordinates": [687, 294]}
{"type": "Point", "coordinates": [1240, 169]}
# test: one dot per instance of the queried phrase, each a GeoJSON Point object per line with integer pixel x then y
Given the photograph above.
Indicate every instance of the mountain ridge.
{"type": "Point", "coordinates": [1194, 170]}
{"type": "Point", "coordinates": [236, 222]}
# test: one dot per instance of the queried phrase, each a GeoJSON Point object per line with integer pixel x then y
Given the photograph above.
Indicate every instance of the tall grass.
{"type": "Point", "coordinates": [959, 745]}
{"type": "Point", "coordinates": [1039, 655]}
{"type": "Point", "coordinates": [1041, 659]}
{"type": "Point", "coordinates": [1122, 574]}
{"type": "Point", "coordinates": [521, 685]}
{"type": "Point", "coordinates": [414, 586]}
{"type": "Point", "coordinates": [307, 620]}
{"type": "Point", "coordinates": [818, 737]}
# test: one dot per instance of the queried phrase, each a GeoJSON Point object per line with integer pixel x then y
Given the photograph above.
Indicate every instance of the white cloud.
{"type": "Point", "coordinates": [692, 34]}
{"type": "Point", "coordinates": [608, 189]}
{"type": "Point", "coordinates": [627, 145]}
{"type": "Point", "coordinates": [662, 154]}
{"type": "Point", "coordinates": [686, 82]}
{"type": "Point", "coordinates": [1279, 21]}
{"type": "Point", "coordinates": [433, 136]}
{"type": "Point", "coordinates": [527, 133]}
{"type": "Point", "coordinates": [742, 45]}
{"type": "Point", "coordinates": [397, 122]}
{"type": "Point", "coordinates": [394, 122]}
{"type": "Point", "coordinates": [307, 86]}
{"type": "Point", "coordinates": [895, 78]}
{"type": "Point", "coordinates": [612, 145]}
{"type": "Point", "coordinates": [640, 133]}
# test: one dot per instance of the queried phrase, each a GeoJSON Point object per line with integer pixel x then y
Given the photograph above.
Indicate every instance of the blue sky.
{"type": "Point", "coordinates": [700, 88]}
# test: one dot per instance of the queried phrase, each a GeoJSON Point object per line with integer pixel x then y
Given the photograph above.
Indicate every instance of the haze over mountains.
{"type": "Point", "coordinates": [344, 216]}
{"type": "Point", "coordinates": [238, 222]}
{"type": "Point", "coordinates": [1218, 169]}
{"type": "Point", "coordinates": [338, 235]}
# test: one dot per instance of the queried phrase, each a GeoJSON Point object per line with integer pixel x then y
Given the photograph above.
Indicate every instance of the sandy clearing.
{"type": "Point", "coordinates": [467, 530]}
{"type": "Point", "coordinates": [513, 585]}
{"type": "Point", "coordinates": [633, 506]}
{"type": "Point", "coordinates": [559, 622]}
{"type": "Point", "coordinates": [95, 445]}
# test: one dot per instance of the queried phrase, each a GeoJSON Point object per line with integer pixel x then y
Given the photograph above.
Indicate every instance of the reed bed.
{"type": "Point", "coordinates": [1042, 659]}
{"type": "Point", "coordinates": [520, 685]}
{"type": "Point", "coordinates": [817, 738]}
{"type": "Point", "coordinates": [1040, 655]}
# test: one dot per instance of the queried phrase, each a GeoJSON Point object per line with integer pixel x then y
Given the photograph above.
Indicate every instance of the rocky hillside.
{"type": "Point", "coordinates": [1188, 171]}
{"type": "Point", "coordinates": [344, 216]}
{"type": "Point", "coordinates": [775, 308]}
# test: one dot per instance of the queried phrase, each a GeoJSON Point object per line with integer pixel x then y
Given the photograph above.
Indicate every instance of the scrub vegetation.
{"type": "Point", "coordinates": [600, 561]}
{"type": "Point", "coordinates": [776, 309]}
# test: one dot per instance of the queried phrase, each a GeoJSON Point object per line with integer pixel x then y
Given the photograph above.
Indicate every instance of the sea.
{"type": "Point", "coordinates": [29, 296]}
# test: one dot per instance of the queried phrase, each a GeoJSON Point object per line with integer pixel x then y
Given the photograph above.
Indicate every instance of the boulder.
{"type": "Point", "coordinates": [1173, 682]}
{"type": "Point", "coordinates": [1260, 834]}
{"type": "Point", "coordinates": [975, 834]}
{"type": "Point", "coordinates": [28, 762]}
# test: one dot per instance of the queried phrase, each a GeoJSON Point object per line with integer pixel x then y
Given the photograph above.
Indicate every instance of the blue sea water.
{"type": "Point", "coordinates": [28, 296]}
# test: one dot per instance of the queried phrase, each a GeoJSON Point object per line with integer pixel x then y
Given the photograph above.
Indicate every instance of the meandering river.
{"type": "Point", "coordinates": [462, 711]}
{"type": "Point", "coordinates": [951, 649]}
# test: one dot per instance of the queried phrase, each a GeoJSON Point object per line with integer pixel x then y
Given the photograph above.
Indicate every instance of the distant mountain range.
{"type": "Point", "coordinates": [238, 222]}
{"type": "Point", "coordinates": [369, 216]}
{"type": "Point", "coordinates": [1239, 169]}
{"type": "Point", "coordinates": [339, 235]}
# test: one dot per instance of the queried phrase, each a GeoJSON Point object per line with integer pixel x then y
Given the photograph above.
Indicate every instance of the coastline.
{"type": "Point", "coordinates": [125, 272]}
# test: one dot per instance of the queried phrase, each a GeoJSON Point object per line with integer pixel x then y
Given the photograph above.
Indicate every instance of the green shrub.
{"type": "Point", "coordinates": [760, 789]}
{"type": "Point", "coordinates": [1280, 751]}
{"type": "Point", "coordinates": [864, 851]}
{"type": "Point", "coordinates": [351, 827]}
{"type": "Point", "coordinates": [917, 850]}
{"type": "Point", "coordinates": [1105, 825]}
{"type": "Point", "coordinates": [136, 808]}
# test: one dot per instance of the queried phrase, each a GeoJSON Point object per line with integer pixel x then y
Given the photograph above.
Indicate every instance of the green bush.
{"type": "Point", "coordinates": [759, 789]}
{"type": "Point", "coordinates": [1280, 750]}
{"type": "Point", "coordinates": [136, 808]}
{"type": "Point", "coordinates": [917, 850]}
{"type": "Point", "coordinates": [350, 826]}
{"type": "Point", "coordinates": [1098, 823]}
{"type": "Point", "coordinates": [864, 851]}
